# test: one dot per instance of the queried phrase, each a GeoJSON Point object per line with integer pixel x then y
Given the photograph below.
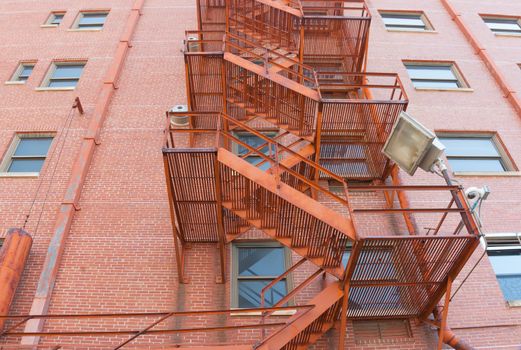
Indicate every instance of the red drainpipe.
{"type": "Point", "coordinates": [79, 172]}
{"type": "Point", "coordinates": [510, 94]}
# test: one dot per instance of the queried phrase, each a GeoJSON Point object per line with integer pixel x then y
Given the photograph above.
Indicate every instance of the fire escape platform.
{"type": "Point", "coordinates": [404, 276]}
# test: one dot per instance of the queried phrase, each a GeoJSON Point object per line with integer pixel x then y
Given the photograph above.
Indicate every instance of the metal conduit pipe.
{"type": "Point", "coordinates": [79, 172]}
{"type": "Point", "coordinates": [449, 337]}
{"type": "Point", "coordinates": [13, 257]}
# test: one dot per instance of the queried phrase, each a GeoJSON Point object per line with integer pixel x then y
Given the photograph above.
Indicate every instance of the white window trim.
{"type": "Point", "coordinates": [507, 162]}
{"type": "Point", "coordinates": [518, 19]}
{"type": "Point", "coordinates": [48, 24]}
{"type": "Point", "coordinates": [454, 68]}
{"type": "Point", "coordinates": [44, 86]}
{"type": "Point", "coordinates": [75, 25]}
{"type": "Point", "coordinates": [17, 72]}
{"type": "Point", "coordinates": [511, 303]}
{"type": "Point", "coordinates": [6, 160]}
{"type": "Point", "coordinates": [429, 28]}
{"type": "Point", "coordinates": [234, 294]}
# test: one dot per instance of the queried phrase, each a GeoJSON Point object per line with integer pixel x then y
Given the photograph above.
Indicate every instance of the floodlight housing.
{"type": "Point", "coordinates": [412, 145]}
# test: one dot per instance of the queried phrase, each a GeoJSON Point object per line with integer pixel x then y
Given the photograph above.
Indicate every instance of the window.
{"type": "Point", "coordinates": [91, 20]}
{"type": "Point", "coordinates": [23, 72]}
{"type": "Point", "coordinates": [54, 19]}
{"type": "Point", "coordinates": [503, 25]}
{"type": "Point", "coordinates": [409, 21]}
{"type": "Point", "coordinates": [27, 153]}
{"type": "Point", "coordinates": [64, 75]}
{"type": "Point", "coordinates": [434, 76]}
{"type": "Point", "coordinates": [504, 253]}
{"type": "Point", "coordinates": [255, 265]}
{"type": "Point", "coordinates": [255, 142]}
{"type": "Point", "coordinates": [475, 153]}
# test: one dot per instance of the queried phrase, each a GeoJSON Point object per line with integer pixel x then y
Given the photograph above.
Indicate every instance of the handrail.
{"type": "Point", "coordinates": [315, 166]}
{"type": "Point", "coordinates": [297, 73]}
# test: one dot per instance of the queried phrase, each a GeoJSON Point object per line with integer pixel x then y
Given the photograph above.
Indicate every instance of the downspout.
{"type": "Point", "coordinates": [510, 94]}
{"type": "Point", "coordinates": [449, 337]}
{"type": "Point", "coordinates": [79, 172]}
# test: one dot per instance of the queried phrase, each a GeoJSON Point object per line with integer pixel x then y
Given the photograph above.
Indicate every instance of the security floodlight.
{"type": "Point", "coordinates": [411, 145]}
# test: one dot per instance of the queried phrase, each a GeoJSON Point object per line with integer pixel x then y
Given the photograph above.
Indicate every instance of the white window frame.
{"type": "Point", "coordinates": [76, 24]}
{"type": "Point", "coordinates": [499, 17]}
{"type": "Point", "coordinates": [11, 149]}
{"type": "Point", "coordinates": [16, 75]}
{"type": "Point", "coordinates": [52, 68]}
{"type": "Point", "coordinates": [420, 14]}
{"type": "Point", "coordinates": [52, 16]}
{"type": "Point", "coordinates": [506, 160]}
{"type": "Point", "coordinates": [234, 276]}
{"type": "Point", "coordinates": [459, 78]}
{"type": "Point", "coordinates": [498, 237]}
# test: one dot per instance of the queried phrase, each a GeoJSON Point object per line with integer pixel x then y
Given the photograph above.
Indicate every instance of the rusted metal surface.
{"type": "Point", "coordinates": [404, 276]}
{"type": "Point", "coordinates": [13, 256]}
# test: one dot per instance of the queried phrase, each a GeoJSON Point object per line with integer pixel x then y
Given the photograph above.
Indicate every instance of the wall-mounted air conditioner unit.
{"type": "Point", "coordinates": [179, 119]}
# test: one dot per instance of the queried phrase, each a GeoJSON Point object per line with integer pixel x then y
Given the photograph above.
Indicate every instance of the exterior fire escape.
{"type": "Point", "coordinates": [296, 68]}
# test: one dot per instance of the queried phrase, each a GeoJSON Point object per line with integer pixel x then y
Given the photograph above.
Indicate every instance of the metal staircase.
{"type": "Point", "coordinates": [295, 68]}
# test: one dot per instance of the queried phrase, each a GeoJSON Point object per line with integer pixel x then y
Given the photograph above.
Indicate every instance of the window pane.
{"type": "Point", "coordinates": [503, 24]}
{"type": "Point", "coordinates": [436, 84]}
{"type": "Point", "coordinates": [470, 146]}
{"type": "Point", "coordinates": [37, 146]}
{"type": "Point", "coordinates": [253, 141]}
{"type": "Point", "coordinates": [403, 20]}
{"type": "Point", "coordinates": [92, 18]}
{"type": "Point", "coordinates": [26, 165]}
{"type": "Point", "coordinates": [261, 261]}
{"type": "Point", "coordinates": [250, 293]}
{"type": "Point", "coordinates": [63, 83]}
{"type": "Point", "coordinates": [345, 257]}
{"type": "Point", "coordinates": [462, 164]}
{"type": "Point", "coordinates": [57, 18]}
{"type": "Point", "coordinates": [26, 70]}
{"type": "Point", "coordinates": [256, 160]}
{"type": "Point", "coordinates": [510, 286]}
{"type": "Point", "coordinates": [505, 262]}
{"type": "Point", "coordinates": [68, 71]}
{"type": "Point", "coordinates": [430, 72]}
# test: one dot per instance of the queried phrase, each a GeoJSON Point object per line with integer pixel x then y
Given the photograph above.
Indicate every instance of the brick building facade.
{"type": "Point", "coordinates": [104, 173]}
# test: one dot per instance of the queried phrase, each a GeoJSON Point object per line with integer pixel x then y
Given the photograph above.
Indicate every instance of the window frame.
{"type": "Point", "coordinates": [52, 69]}
{"type": "Point", "coordinates": [503, 246]}
{"type": "Point", "coordinates": [51, 17]}
{"type": "Point", "coordinates": [7, 158]}
{"type": "Point", "coordinates": [234, 276]}
{"type": "Point", "coordinates": [456, 71]}
{"type": "Point", "coordinates": [504, 156]}
{"type": "Point", "coordinates": [517, 19]}
{"type": "Point", "coordinates": [15, 77]}
{"type": "Point", "coordinates": [270, 133]}
{"type": "Point", "coordinates": [429, 28]}
{"type": "Point", "coordinates": [76, 25]}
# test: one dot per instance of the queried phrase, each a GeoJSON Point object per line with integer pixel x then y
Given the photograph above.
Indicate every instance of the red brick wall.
{"type": "Point", "coordinates": [119, 256]}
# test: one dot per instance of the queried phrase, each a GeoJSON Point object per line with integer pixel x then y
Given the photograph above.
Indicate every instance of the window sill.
{"type": "Point", "coordinates": [259, 313]}
{"type": "Point", "coordinates": [84, 30]}
{"type": "Point", "coordinates": [13, 82]}
{"type": "Point", "coordinates": [439, 89]}
{"type": "Point", "coordinates": [43, 88]}
{"type": "Point", "coordinates": [489, 174]}
{"type": "Point", "coordinates": [514, 303]}
{"type": "Point", "coordinates": [49, 25]}
{"type": "Point", "coordinates": [19, 175]}
{"type": "Point", "coordinates": [508, 34]}
{"type": "Point", "coordinates": [411, 31]}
